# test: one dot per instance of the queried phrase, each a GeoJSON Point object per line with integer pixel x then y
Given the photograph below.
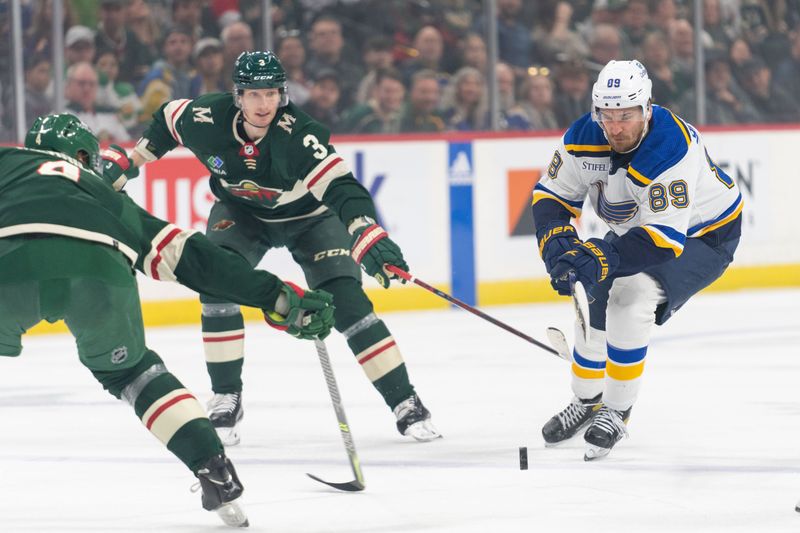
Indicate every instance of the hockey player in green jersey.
{"type": "Point", "coordinates": [68, 246]}
{"type": "Point", "coordinates": [279, 182]}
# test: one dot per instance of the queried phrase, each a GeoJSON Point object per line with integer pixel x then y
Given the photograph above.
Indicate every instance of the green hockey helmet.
{"type": "Point", "coordinates": [66, 134]}
{"type": "Point", "coordinates": [260, 70]}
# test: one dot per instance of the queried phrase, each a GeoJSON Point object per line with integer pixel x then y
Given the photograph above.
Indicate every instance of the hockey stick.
{"type": "Point", "coordinates": [580, 300]}
{"type": "Point", "coordinates": [333, 389]}
{"type": "Point", "coordinates": [452, 299]}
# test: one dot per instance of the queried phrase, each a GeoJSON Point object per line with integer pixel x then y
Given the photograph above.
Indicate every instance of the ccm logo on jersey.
{"type": "Point", "coordinates": [319, 256]}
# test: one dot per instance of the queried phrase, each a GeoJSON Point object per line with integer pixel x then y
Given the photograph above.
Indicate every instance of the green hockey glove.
{"type": "Point", "coordinates": [372, 248]}
{"type": "Point", "coordinates": [302, 314]}
{"type": "Point", "coordinates": [118, 168]}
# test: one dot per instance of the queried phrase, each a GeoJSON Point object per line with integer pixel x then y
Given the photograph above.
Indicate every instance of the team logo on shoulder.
{"type": "Point", "coordinates": [249, 152]}
{"type": "Point", "coordinates": [222, 225]}
{"type": "Point", "coordinates": [119, 355]}
{"type": "Point", "coordinates": [286, 122]}
{"type": "Point", "coordinates": [202, 114]}
{"type": "Point", "coordinates": [215, 164]}
{"type": "Point", "coordinates": [252, 191]}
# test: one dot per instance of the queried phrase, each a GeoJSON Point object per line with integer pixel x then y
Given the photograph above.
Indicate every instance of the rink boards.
{"type": "Point", "coordinates": [459, 206]}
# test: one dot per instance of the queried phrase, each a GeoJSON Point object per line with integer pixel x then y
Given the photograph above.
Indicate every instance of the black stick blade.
{"type": "Point", "coordinates": [350, 486]}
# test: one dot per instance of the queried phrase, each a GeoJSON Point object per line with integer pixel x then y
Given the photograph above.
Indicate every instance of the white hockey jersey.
{"type": "Point", "coordinates": [669, 186]}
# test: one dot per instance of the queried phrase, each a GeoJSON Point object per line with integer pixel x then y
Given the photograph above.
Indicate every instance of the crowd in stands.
{"type": "Point", "coordinates": [394, 66]}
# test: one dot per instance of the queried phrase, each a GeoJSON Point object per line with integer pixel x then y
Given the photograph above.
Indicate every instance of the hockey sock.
{"type": "Point", "coordinates": [166, 408]}
{"type": "Point", "coordinates": [370, 340]}
{"type": "Point", "coordinates": [223, 343]}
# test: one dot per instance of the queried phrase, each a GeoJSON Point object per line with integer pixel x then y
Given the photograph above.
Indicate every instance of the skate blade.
{"type": "Point", "coordinates": [592, 452]}
{"type": "Point", "coordinates": [232, 514]}
{"type": "Point", "coordinates": [229, 436]}
{"type": "Point", "coordinates": [423, 431]}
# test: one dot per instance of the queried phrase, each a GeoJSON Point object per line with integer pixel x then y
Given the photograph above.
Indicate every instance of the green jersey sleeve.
{"type": "Point", "coordinates": [188, 257]}
{"type": "Point", "coordinates": [326, 175]}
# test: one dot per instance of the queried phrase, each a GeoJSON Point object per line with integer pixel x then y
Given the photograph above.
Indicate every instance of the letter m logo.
{"type": "Point", "coordinates": [286, 122]}
{"type": "Point", "coordinates": [202, 114]}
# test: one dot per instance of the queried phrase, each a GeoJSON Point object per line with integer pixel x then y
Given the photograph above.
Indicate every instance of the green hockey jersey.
{"type": "Point", "coordinates": [292, 172]}
{"type": "Point", "coordinates": [48, 193]}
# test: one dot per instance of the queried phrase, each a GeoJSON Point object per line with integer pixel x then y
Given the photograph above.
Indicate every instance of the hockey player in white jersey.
{"type": "Point", "coordinates": [675, 222]}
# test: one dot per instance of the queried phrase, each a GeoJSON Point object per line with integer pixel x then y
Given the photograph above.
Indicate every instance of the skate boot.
{"type": "Point", "coordinates": [225, 412]}
{"type": "Point", "coordinates": [566, 424]}
{"type": "Point", "coordinates": [608, 427]}
{"type": "Point", "coordinates": [414, 420]}
{"type": "Point", "coordinates": [221, 490]}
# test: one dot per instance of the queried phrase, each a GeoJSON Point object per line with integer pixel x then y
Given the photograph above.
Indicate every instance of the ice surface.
{"type": "Point", "coordinates": [714, 445]}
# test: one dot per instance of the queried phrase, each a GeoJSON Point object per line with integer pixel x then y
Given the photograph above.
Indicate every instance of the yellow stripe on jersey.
{"type": "Point", "coordinates": [661, 241]}
{"type": "Point", "coordinates": [588, 373]}
{"type": "Point", "coordinates": [722, 222]}
{"type": "Point", "coordinates": [638, 176]}
{"type": "Point", "coordinates": [539, 195]}
{"type": "Point", "coordinates": [682, 127]}
{"type": "Point", "coordinates": [624, 372]}
{"type": "Point", "coordinates": [587, 147]}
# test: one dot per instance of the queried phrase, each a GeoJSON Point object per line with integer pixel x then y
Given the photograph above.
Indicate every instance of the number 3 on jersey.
{"type": "Point", "coordinates": [320, 152]}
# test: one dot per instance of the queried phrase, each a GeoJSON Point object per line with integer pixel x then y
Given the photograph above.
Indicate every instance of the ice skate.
{"type": "Point", "coordinates": [608, 427]}
{"type": "Point", "coordinates": [225, 412]}
{"type": "Point", "coordinates": [572, 419]}
{"type": "Point", "coordinates": [221, 490]}
{"type": "Point", "coordinates": [414, 420]}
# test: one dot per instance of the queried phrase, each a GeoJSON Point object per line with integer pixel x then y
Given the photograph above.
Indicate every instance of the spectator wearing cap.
{"type": "Point", "coordinates": [769, 100]}
{"type": "Point", "coordinates": [420, 113]}
{"type": "Point", "coordinates": [237, 37]}
{"type": "Point", "coordinates": [78, 45]}
{"type": "Point", "coordinates": [81, 96]}
{"type": "Point", "coordinates": [37, 80]}
{"type": "Point", "coordinates": [323, 102]}
{"type": "Point", "coordinates": [117, 95]}
{"type": "Point", "coordinates": [603, 12]}
{"type": "Point", "coordinates": [292, 53]}
{"type": "Point", "coordinates": [378, 55]}
{"type": "Point", "coordinates": [208, 63]}
{"type": "Point", "coordinates": [381, 115]}
{"type": "Point", "coordinates": [726, 102]}
{"type": "Point", "coordinates": [538, 102]}
{"type": "Point", "coordinates": [326, 46]}
{"type": "Point", "coordinates": [113, 34]}
{"type": "Point", "coordinates": [169, 78]}
{"type": "Point", "coordinates": [574, 97]}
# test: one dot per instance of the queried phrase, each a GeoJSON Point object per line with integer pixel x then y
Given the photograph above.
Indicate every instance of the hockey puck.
{"type": "Point", "coordinates": [523, 458]}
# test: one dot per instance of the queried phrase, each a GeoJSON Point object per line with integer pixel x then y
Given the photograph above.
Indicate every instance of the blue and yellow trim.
{"type": "Point", "coordinates": [727, 216]}
{"type": "Point", "coordinates": [682, 127]}
{"type": "Point", "coordinates": [540, 192]}
{"type": "Point", "coordinates": [625, 365]}
{"type": "Point", "coordinates": [666, 237]}
{"type": "Point", "coordinates": [586, 368]}
{"type": "Point", "coordinates": [588, 150]}
{"type": "Point", "coordinates": [637, 177]}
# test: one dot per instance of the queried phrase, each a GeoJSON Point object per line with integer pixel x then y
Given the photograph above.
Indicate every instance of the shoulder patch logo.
{"type": "Point", "coordinates": [202, 114]}
{"type": "Point", "coordinates": [286, 122]}
{"type": "Point", "coordinates": [215, 164]}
